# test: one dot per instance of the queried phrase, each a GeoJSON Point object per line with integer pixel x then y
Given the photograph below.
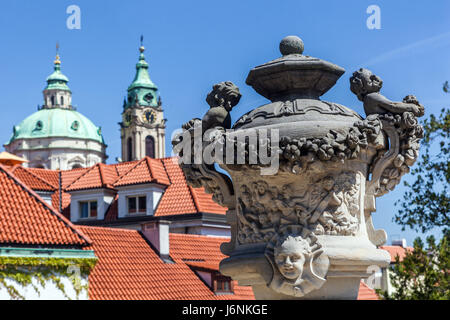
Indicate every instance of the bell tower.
{"type": "Point", "coordinates": [143, 125]}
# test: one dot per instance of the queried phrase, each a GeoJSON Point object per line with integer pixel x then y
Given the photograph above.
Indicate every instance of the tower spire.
{"type": "Point", "coordinates": [57, 62]}
{"type": "Point", "coordinates": [143, 126]}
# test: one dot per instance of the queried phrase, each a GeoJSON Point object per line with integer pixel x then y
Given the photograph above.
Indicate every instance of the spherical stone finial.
{"type": "Point", "coordinates": [141, 49]}
{"type": "Point", "coordinates": [291, 45]}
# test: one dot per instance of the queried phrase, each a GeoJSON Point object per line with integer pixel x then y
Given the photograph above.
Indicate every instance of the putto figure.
{"type": "Point", "coordinates": [223, 97]}
{"type": "Point", "coordinates": [366, 86]}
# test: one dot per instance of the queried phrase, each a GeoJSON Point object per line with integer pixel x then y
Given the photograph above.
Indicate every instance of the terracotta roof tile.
{"type": "Point", "coordinates": [396, 251]}
{"type": "Point", "coordinates": [204, 251]}
{"type": "Point", "coordinates": [205, 203]}
{"type": "Point", "coordinates": [366, 293]}
{"type": "Point", "coordinates": [33, 180]}
{"type": "Point", "coordinates": [50, 176]}
{"type": "Point", "coordinates": [128, 268]}
{"type": "Point", "coordinates": [144, 171]}
{"type": "Point", "coordinates": [27, 219]}
{"type": "Point", "coordinates": [123, 167]}
{"type": "Point", "coordinates": [177, 199]}
{"type": "Point", "coordinates": [97, 176]}
{"type": "Point", "coordinates": [197, 248]}
{"type": "Point", "coordinates": [69, 176]}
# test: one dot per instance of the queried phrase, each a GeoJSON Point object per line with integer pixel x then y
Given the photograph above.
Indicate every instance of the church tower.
{"type": "Point", "coordinates": [57, 136]}
{"type": "Point", "coordinates": [143, 124]}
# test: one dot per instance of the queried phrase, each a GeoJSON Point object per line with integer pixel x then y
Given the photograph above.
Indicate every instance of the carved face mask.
{"type": "Point", "coordinates": [290, 258]}
{"type": "Point", "coordinates": [261, 189]}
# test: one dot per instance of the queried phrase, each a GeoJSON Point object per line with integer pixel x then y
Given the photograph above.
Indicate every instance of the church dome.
{"type": "Point", "coordinates": [57, 122]}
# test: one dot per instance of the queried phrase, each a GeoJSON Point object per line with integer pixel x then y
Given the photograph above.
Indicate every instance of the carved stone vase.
{"type": "Point", "coordinates": [302, 230]}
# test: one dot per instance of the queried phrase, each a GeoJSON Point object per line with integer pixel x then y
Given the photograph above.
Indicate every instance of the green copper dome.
{"type": "Point", "coordinates": [57, 122]}
{"type": "Point", "coordinates": [142, 91]}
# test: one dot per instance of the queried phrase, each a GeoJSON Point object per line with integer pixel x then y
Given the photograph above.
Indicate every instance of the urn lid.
{"type": "Point", "coordinates": [294, 75]}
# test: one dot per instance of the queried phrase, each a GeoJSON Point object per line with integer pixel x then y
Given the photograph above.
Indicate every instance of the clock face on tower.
{"type": "Point", "coordinates": [149, 116]}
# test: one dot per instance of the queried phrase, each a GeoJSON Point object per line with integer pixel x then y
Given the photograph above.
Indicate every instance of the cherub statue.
{"type": "Point", "coordinates": [223, 97]}
{"type": "Point", "coordinates": [366, 86]}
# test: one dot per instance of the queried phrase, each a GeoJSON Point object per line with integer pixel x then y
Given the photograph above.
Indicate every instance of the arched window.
{"type": "Point", "coordinates": [62, 101]}
{"type": "Point", "coordinates": [52, 100]}
{"type": "Point", "coordinates": [150, 146]}
{"type": "Point", "coordinates": [129, 149]}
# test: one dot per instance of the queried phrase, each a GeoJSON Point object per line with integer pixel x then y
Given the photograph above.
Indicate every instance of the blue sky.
{"type": "Point", "coordinates": [190, 45]}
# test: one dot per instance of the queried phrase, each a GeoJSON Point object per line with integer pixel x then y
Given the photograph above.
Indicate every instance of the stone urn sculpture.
{"type": "Point", "coordinates": [303, 175]}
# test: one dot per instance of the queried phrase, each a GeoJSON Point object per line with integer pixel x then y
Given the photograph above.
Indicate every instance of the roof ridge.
{"type": "Point", "coordinates": [166, 170]}
{"type": "Point", "coordinates": [149, 166]}
{"type": "Point", "coordinates": [39, 178]}
{"type": "Point", "coordinates": [108, 228]}
{"type": "Point", "coordinates": [49, 207]}
{"type": "Point", "coordinates": [14, 167]}
{"type": "Point", "coordinates": [127, 172]}
{"type": "Point", "coordinates": [100, 169]}
{"type": "Point", "coordinates": [194, 198]}
{"type": "Point", "coordinates": [82, 175]}
{"type": "Point", "coordinates": [115, 165]}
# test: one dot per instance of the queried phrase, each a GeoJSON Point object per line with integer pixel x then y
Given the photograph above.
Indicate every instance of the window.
{"type": "Point", "coordinates": [52, 101]}
{"type": "Point", "coordinates": [137, 204]}
{"type": "Point", "coordinates": [62, 100]}
{"type": "Point", "coordinates": [129, 149]}
{"type": "Point", "coordinates": [150, 146]}
{"type": "Point", "coordinates": [88, 209]}
{"type": "Point", "coordinates": [222, 284]}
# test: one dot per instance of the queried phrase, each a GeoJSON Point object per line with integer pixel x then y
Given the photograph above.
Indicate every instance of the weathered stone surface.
{"type": "Point", "coordinates": [303, 231]}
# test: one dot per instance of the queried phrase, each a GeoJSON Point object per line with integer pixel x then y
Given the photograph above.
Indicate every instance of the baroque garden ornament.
{"type": "Point", "coordinates": [303, 175]}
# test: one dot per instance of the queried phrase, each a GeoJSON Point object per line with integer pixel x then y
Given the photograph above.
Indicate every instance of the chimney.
{"type": "Point", "coordinates": [399, 242]}
{"type": "Point", "coordinates": [157, 232]}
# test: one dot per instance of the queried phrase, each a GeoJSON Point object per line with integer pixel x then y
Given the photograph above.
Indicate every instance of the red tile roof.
{"type": "Point", "coordinates": [191, 247]}
{"type": "Point", "coordinates": [128, 268]}
{"type": "Point", "coordinates": [68, 176]}
{"type": "Point", "coordinates": [205, 203]}
{"type": "Point", "coordinates": [124, 167]}
{"type": "Point", "coordinates": [25, 218]}
{"type": "Point", "coordinates": [204, 252]}
{"type": "Point", "coordinates": [144, 171]}
{"type": "Point", "coordinates": [366, 293]}
{"type": "Point", "coordinates": [396, 251]}
{"type": "Point", "coordinates": [33, 180]}
{"type": "Point", "coordinates": [96, 176]}
{"type": "Point", "coordinates": [179, 198]}
{"type": "Point", "coordinates": [49, 176]}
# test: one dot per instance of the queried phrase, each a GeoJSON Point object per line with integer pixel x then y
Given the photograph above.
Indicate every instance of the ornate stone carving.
{"type": "Point", "coordinates": [316, 209]}
{"type": "Point", "coordinates": [408, 132]}
{"type": "Point", "coordinates": [329, 206]}
{"type": "Point", "coordinates": [298, 262]}
{"type": "Point", "coordinates": [294, 107]}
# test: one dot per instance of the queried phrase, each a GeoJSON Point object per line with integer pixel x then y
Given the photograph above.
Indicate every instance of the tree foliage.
{"type": "Point", "coordinates": [424, 272]}
{"type": "Point", "coordinates": [426, 204]}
